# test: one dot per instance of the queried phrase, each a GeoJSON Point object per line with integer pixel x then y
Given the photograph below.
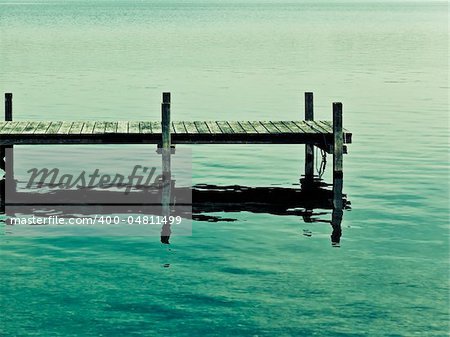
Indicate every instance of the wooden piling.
{"type": "Point", "coordinates": [6, 155]}
{"type": "Point", "coordinates": [9, 157]}
{"type": "Point", "coordinates": [2, 180]}
{"type": "Point", "coordinates": [166, 166]}
{"type": "Point", "coordinates": [8, 107]}
{"type": "Point", "coordinates": [165, 121]}
{"type": "Point", "coordinates": [309, 148]}
{"type": "Point", "coordinates": [338, 141]}
{"type": "Point", "coordinates": [338, 149]}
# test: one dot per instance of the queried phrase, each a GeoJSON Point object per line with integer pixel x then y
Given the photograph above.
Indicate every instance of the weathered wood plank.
{"type": "Point", "coordinates": [223, 125]}
{"type": "Point", "coordinates": [213, 127]}
{"type": "Point", "coordinates": [133, 127]}
{"type": "Point", "coordinates": [2, 125]}
{"type": "Point", "coordinates": [269, 127]}
{"type": "Point", "coordinates": [156, 127]}
{"type": "Point", "coordinates": [76, 128]}
{"type": "Point", "coordinates": [20, 126]}
{"type": "Point", "coordinates": [316, 126]}
{"type": "Point", "coordinates": [111, 127]}
{"type": "Point", "coordinates": [179, 127]}
{"type": "Point", "coordinates": [42, 127]}
{"type": "Point", "coordinates": [330, 124]}
{"type": "Point", "coordinates": [295, 127]}
{"type": "Point", "coordinates": [258, 127]}
{"type": "Point", "coordinates": [65, 127]}
{"type": "Point", "coordinates": [88, 127]}
{"type": "Point", "coordinates": [201, 127]}
{"type": "Point", "coordinates": [99, 127]}
{"type": "Point", "coordinates": [54, 127]}
{"type": "Point", "coordinates": [305, 127]}
{"type": "Point", "coordinates": [327, 127]}
{"type": "Point", "coordinates": [248, 128]}
{"type": "Point", "coordinates": [122, 127]}
{"type": "Point", "coordinates": [292, 126]}
{"type": "Point", "coordinates": [281, 127]}
{"type": "Point", "coordinates": [347, 135]}
{"type": "Point", "coordinates": [145, 127]}
{"type": "Point", "coordinates": [236, 127]}
{"type": "Point", "coordinates": [190, 127]}
{"type": "Point", "coordinates": [30, 128]}
{"type": "Point", "coordinates": [8, 127]}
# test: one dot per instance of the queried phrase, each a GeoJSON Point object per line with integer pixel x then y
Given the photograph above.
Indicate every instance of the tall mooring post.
{"type": "Point", "coordinates": [166, 166]}
{"type": "Point", "coordinates": [338, 150]}
{"type": "Point", "coordinates": [6, 156]}
{"type": "Point", "coordinates": [309, 148]}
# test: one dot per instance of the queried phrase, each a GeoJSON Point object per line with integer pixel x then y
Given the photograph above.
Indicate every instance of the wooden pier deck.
{"type": "Point", "coordinates": [329, 136]}
{"type": "Point", "coordinates": [182, 132]}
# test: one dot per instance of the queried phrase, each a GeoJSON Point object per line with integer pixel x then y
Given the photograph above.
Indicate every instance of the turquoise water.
{"type": "Point", "coordinates": [259, 276]}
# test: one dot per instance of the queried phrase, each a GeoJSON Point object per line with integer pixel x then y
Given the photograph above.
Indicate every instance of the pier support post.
{"type": "Point", "coordinates": [2, 180]}
{"type": "Point", "coordinates": [165, 121]}
{"type": "Point", "coordinates": [338, 149]}
{"type": "Point", "coordinates": [309, 148]}
{"type": "Point", "coordinates": [8, 106]}
{"type": "Point", "coordinates": [6, 156]}
{"type": "Point", "coordinates": [166, 166]}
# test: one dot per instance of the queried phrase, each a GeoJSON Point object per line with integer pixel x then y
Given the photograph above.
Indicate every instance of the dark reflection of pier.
{"type": "Point", "coordinates": [311, 204]}
{"type": "Point", "coordinates": [198, 202]}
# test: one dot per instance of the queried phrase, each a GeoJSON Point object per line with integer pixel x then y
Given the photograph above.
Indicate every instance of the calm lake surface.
{"type": "Point", "coordinates": [387, 61]}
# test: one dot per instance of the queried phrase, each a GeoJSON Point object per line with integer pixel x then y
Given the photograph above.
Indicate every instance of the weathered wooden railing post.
{"type": "Point", "coordinates": [165, 121]}
{"type": "Point", "coordinates": [309, 148]}
{"type": "Point", "coordinates": [338, 149]}
{"type": "Point", "coordinates": [8, 107]}
{"type": "Point", "coordinates": [6, 156]}
{"type": "Point", "coordinates": [166, 166]}
{"type": "Point", "coordinates": [2, 180]}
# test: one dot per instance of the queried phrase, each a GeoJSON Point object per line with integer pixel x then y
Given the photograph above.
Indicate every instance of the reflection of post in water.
{"type": "Point", "coordinates": [166, 174]}
{"type": "Point", "coordinates": [6, 157]}
{"type": "Point", "coordinates": [338, 149]}
{"type": "Point", "coordinates": [2, 180]}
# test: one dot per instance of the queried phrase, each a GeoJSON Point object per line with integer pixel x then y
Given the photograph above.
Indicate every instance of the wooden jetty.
{"type": "Point", "coordinates": [308, 131]}
{"type": "Point", "coordinates": [328, 135]}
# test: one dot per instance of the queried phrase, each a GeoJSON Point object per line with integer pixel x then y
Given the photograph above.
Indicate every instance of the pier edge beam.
{"type": "Point", "coordinates": [338, 150]}
{"type": "Point", "coordinates": [166, 165]}
{"type": "Point", "coordinates": [309, 148]}
{"type": "Point", "coordinates": [6, 155]}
